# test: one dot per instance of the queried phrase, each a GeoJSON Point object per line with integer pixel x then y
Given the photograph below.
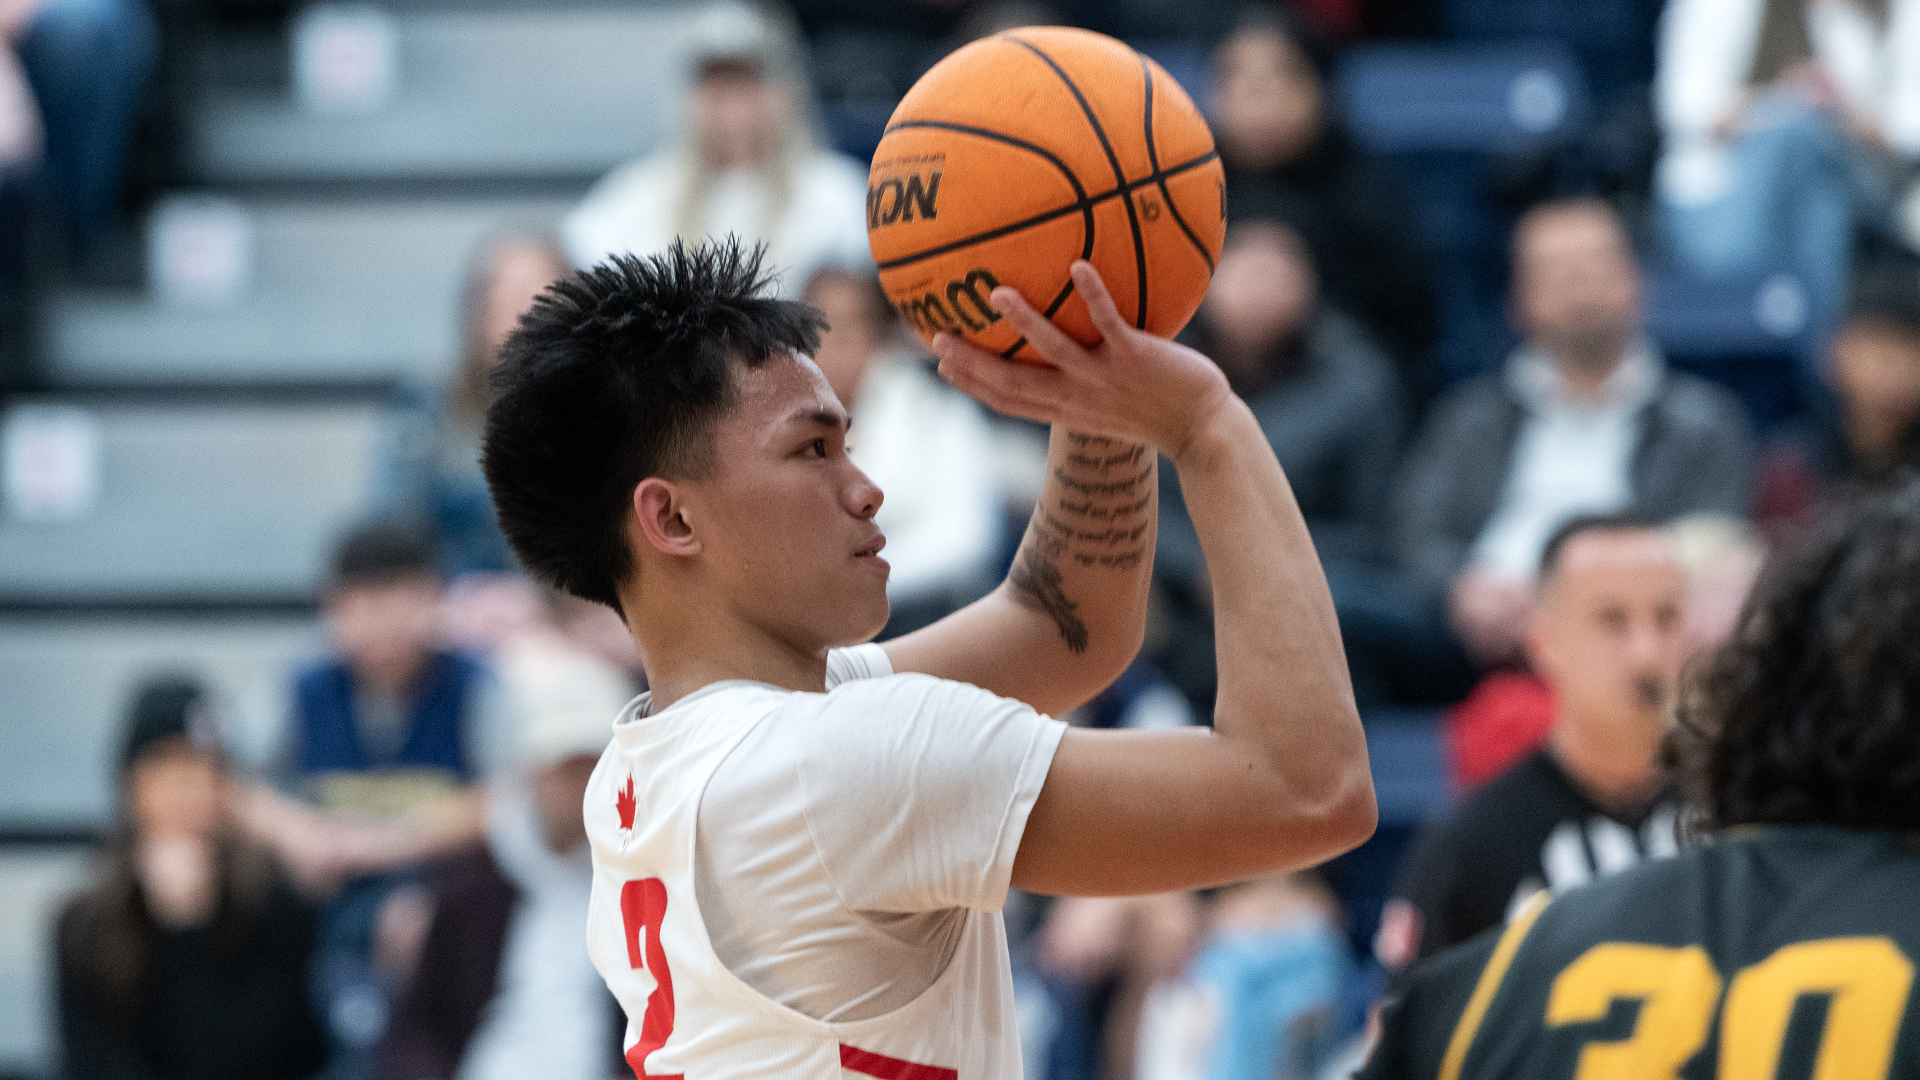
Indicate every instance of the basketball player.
{"type": "Point", "coordinates": [802, 842]}
{"type": "Point", "coordinates": [1785, 949]}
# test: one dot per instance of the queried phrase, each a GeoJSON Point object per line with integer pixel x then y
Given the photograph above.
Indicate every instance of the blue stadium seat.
{"type": "Point", "coordinates": [1447, 115]}
{"type": "Point", "coordinates": [1752, 333]}
{"type": "Point", "coordinates": [1409, 764]}
{"type": "Point", "coordinates": [1189, 62]}
{"type": "Point", "coordinates": [1612, 38]}
{"type": "Point", "coordinates": [1486, 98]}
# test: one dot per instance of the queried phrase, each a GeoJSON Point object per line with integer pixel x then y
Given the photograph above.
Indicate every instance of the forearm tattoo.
{"type": "Point", "coordinates": [1094, 514]}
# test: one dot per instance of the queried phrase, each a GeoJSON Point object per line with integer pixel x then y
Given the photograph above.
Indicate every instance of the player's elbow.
{"type": "Point", "coordinates": [1354, 815]}
{"type": "Point", "coordinates": [1318, 820]}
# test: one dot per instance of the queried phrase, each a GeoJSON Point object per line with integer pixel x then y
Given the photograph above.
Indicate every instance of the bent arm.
{"type": "Point", "coordinates": [1072, 612]}
{"type": "Point", "coordinates": [1281, 780]}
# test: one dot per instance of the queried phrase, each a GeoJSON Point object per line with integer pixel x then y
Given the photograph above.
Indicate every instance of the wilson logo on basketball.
{"type": "Point", "coordinates": [894, 199]}
{"type": "Point", "coordinates": [963, 304]}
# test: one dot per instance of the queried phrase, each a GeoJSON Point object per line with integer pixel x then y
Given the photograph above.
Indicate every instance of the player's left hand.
{"type": "Point", "coordinates": [1132, 385]}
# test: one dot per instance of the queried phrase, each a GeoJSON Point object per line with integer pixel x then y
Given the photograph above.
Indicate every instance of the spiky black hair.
{"type": "Point", "coordinates": [617, 374]}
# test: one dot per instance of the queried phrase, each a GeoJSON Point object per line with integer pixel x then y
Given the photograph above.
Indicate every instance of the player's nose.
{"type": "Point", "coordinates": [863, 496]}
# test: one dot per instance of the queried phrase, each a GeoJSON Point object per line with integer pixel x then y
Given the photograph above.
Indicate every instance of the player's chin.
{"type": "Point", "coordinates": [863, 606]}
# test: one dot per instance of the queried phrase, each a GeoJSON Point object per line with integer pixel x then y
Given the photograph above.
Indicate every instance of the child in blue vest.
{"type": "Point", "coordinates": [389, 737]}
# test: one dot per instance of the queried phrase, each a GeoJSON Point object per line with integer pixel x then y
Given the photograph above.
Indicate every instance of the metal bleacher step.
{"type": "Point", "coordinates": [35, 882]}
{"type": "Point", "coordinates": [547, 92]}
{"type": "Point", "coordinates": [189, 501]}
{"type": "Point", "coordinates": [341, 290]}
{"type": "Point", "coordinates": [66, 680]}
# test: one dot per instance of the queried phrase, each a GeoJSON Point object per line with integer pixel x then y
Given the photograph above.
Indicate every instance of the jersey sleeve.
{"type": "Point", "coordinates": [916, 791]}
{"type": "Point", "coordinates": [867, 661]}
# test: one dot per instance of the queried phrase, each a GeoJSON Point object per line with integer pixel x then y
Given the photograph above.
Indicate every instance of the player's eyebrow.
{"type": "Point", "coordinates": [825, 418]}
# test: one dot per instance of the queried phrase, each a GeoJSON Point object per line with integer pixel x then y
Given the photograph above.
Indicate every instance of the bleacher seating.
{"type": "Point", "coordinates": [1450, 117]}
{"type": "Point", "coordinates": [344, 289]}
{"type": "Point", "coordinates": [66, 678]}
{"type": "Point", "coordinates": [1612, 38]}
{"type": "Point", "coordinates": [529, 94]}
{"type": "Point", "coordinates": [1408, 758]}
{"type": "Point", "coordinates": [34, 883]}
{"type": "Point", "coordinates": [1752, 333]}
{"type": "Point", "coordinates": [1484, 98]}
{"type": "Point", "coordinates": [200, 502]}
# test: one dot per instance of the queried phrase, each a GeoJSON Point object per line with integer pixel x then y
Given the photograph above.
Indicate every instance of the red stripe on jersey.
{"type": "Point", "coordinates": [890, 1068]}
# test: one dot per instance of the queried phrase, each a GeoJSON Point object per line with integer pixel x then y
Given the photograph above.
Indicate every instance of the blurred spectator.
{"type": "Point", "coordinates": [1510, 713]}
{"type": "Point", "coordinates": [504, 988]}
{"type": "Point", "coordinates": [1870, 428]}
{"type": "Point", "coordinates": [387, 739]}
{"type": "Point", "coordinates": [187, 957]}
{"type": "Point", "coordinates": [433, 471]}
{"type": "Point", "coordinates": [927, 445]}
{"type": "Point", "coordinates": [1507, 716]}
{"type": "Point", "coordinates": [750, 166]}
{"type": "Point", "coordinates": [1100, 955]}
{"type": "Point", "coordinates": [1721, 556]}
{"type": "Point", "coordinates": [1608, 635]}
{"type": "Point", "coordinates": [1262, 998]}
{"type": "Point", "coordinates": [1287, 159]}
{"type": "Point", "coordinates": [1585, 418]}
{"type": "Point", "coordinates": [1329, 405]}
{"type": "Point", "coordinates": [391, 720]}
{"type": "Point", "coordinates": [87, 62]}
{"type": "Point", "coordinates": [1783, 123]}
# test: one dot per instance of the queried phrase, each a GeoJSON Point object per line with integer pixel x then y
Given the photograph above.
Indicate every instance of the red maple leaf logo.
{"type": "Point", "coordinates": [624, 802]}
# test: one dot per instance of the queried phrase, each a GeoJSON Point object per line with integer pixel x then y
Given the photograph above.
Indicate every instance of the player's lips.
{"type": "Point", "coordinates": [871, 550]}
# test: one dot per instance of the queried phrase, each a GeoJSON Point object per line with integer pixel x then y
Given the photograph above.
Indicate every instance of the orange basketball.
{"type": "Point", "coordinates": [1024, 151]}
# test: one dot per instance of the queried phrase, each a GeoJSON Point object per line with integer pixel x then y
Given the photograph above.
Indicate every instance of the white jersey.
{"type": "Point", "coordinates": [688, 1014]}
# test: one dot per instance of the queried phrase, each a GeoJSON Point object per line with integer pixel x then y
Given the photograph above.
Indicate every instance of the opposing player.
{"type": "Point", "coordinates": [801, 843]}
{"type": "Point", "coordinates": [1789, 944]}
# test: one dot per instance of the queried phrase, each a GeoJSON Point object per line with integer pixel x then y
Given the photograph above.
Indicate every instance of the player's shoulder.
{"type": "Point", "coordinates": [905, 694]}
{"type": "Point", "coordinates": [1418, 1020]}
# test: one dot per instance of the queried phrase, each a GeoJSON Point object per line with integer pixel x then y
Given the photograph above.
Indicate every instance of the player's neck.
{"type": "Point", "coordinates": [686, 645]}
{"type": "Point", "coordinates": [1615, 771]}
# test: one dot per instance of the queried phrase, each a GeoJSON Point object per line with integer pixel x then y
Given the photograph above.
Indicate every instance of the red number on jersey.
{"type": "Point", "coordinates": [643, 906]}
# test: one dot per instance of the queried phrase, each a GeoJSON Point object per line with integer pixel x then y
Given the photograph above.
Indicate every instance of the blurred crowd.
{"type": "Point", "coordinates": [1526, 547]}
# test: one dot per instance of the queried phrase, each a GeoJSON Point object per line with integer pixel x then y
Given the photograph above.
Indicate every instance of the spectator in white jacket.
{"type": "Point", "coordinates": [748, 164]}
{"type": "Point", "coordinates": [1786, 123]}
{"type": "Point", "coordinates": [928, 447]}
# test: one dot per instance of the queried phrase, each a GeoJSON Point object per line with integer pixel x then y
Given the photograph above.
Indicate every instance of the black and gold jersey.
{"type": "Point", "coordinates": [1777, 952]}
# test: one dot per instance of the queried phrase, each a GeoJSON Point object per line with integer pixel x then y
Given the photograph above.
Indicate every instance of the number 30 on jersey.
{"type": "Point", "coordinates": [1864, 979]}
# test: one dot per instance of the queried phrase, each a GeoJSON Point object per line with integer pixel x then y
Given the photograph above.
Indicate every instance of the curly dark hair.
{"type": "Point", "coordinates": [617, 374]}
{"type": "Point", "coordinates": [1810, 712]}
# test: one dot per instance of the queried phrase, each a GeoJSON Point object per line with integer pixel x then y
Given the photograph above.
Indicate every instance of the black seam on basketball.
{"type": "Point", "coordinates": [1061, 299]}
{"type": "Point", "coordinates": [989, 133]}
{"type": "Point", "coordinates": [1081, 203]}
{"type": "Point", "coordinates": [1113, 159]}
{"type": "Point", "coordinates": [1051, 308]}
{"type": "Point", "coordinates": [1084, 205]}
{"type": "Point", "coordinates": [1153, 159]}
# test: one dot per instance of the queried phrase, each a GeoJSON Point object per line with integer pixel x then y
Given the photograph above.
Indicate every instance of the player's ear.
{"type": "Point", "coordinates": [660, 512]}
